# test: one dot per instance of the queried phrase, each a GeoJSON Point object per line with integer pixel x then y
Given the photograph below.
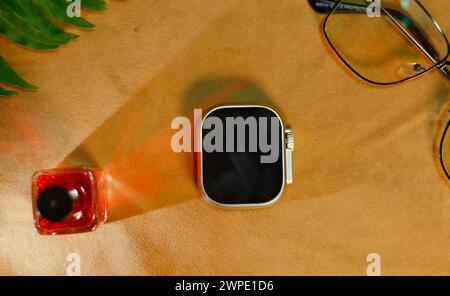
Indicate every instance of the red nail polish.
{"type": "Point", "coordinates": [68, 200]}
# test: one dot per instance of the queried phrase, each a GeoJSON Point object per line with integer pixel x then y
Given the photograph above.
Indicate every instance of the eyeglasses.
{"type": "Point", "coordinates": [386, 42]}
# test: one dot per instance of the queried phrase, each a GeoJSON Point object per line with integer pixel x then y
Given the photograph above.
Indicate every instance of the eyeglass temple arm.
{"type": "Point", "coordinates": [445, 69]}
{"type": "Point", "coordinates": [327, 6]}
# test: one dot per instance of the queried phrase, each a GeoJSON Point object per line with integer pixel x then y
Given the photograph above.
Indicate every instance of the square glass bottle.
{"type": "Point", "coordinates": [68, 200]}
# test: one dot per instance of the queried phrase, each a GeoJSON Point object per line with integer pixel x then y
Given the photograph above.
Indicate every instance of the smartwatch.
{"type": "Point", "coordinates": [246, 156]}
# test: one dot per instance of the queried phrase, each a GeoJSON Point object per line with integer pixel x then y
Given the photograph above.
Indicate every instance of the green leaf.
{"type": "Point", "coordinates": [34, 17]}
{"type": "Point", "coordinates": [9, 76]}
{"type": "Point", "coordinates": [5, 92]}
{"type": "Point", "coordinates": [58, 9]}
{"type": "Point", "coordinates": [13, 27]}
{"type": "Point", "coordinates": [94, 4]}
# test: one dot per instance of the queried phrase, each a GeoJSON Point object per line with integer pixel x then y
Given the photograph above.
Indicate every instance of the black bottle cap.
{"type": "Point", "coordinates": [54, 203]}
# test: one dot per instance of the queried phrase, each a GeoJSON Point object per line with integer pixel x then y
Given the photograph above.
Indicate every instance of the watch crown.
{"type": "Point", "coordinates": [290, 138]}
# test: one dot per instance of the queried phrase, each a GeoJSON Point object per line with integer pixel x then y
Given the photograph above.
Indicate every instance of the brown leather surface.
{"type": "Point", "coordinates": [366, 179]}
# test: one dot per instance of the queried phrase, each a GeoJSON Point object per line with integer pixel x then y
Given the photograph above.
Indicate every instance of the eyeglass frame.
{"type": "Point", "coordinates": [445, 134]}
{"type": "Point", "coordinates": [331, 6]}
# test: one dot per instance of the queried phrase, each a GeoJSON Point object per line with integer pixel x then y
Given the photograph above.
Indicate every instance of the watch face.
{"type": "Point", "coordinates": [242, 160]}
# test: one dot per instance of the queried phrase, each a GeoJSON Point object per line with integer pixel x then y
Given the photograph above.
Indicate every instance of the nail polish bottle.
{"type": "Point", "coordinates": [68, 200]}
